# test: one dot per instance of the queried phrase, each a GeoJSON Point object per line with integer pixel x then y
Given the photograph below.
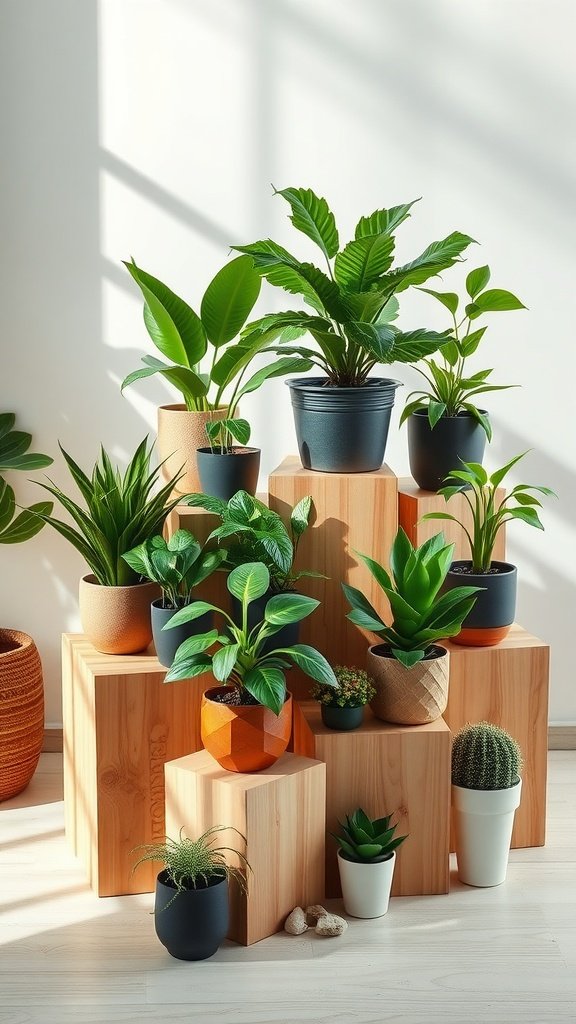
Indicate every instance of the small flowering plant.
{"type": "Point", "coordinates": [355, 689]}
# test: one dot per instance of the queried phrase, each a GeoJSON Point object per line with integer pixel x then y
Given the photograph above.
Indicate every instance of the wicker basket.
{"type": "Point", "coordinates": [21, 711]}
{"type": "Point", "coordinates": [409, 696]}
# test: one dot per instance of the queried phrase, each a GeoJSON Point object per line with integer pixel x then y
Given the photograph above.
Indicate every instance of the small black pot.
{"type": "Point", "coordinates": [344, 719]}
{"type": "Point", "coordinates": [495, 609]}
{"type": "Point", "coordinates": [222, 475]}
{"type": "Point", "coordinates": [285, 637]}
{"type": "Point", "coordinates": [342, 430]}
{"type": "Point", "coordinates": [197, 920]}
{"type": "Point", "coordinates": [434, 453]}
{"type": "Point", "coordinates": [167, 641]}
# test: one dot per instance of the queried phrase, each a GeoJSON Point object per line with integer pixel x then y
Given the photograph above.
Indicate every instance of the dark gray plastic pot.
{"type": "Point", "coordinates": [193, 923]}
{"type": "Point", "coordinates": [495, 609]}
{"type": "Point", "coordinates": [285, 637]}
{"type": "Point", "coordinates": [434, 453]}
{"type": "Point", "coordinates": [222, 475]}
{"type": "Point", "coordinates": [344, 719]}
{"type": "Point", "coordinates": [167, 641]}
{"type": "Point", "coordinates": [342, 430]}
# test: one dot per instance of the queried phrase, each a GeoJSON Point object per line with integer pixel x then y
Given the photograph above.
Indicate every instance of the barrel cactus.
{"type": "Point", "coordinates": [485, 757]}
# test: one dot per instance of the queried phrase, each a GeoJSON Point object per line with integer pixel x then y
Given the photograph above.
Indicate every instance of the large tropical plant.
{"type": "Point", "coordinates": [14, 455]}
{"type": "Point", "coordinates": [354, 300]}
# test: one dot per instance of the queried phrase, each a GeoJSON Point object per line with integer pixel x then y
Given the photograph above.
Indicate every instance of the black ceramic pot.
{"type": "Point", "coordinates": [285, 637]}
{"type": "Point", "coordinates": [434, 453]}
{"type": "Point", "coordinates": [495, 609]}
{"type": "Point", "coordinates": [222, 475]}
{"type": "Point", "coordinates": [344, 719]}
{"type": "Point", "coordinates": [196, 922]}
{"type": "Point", "coordinates": [167, 641]}
{"type": "Point", "coordinates": [342, 430]}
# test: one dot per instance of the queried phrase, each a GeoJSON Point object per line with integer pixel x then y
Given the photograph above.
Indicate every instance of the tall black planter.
{"type": "Point", "coordinates": [222, 475]}
{"type": "Point", "coordinates": [196, 922]}
{"type": "Point", "coordinates": [167, 641]}
{"type": "Point", "coordinates": [342, 430]}
{"type": "Point", "coordinates": [285, 637]}
{"type": "Point", "coordinates": [495, 609]}
{"type": "Point", "coordinates": [435, 452]}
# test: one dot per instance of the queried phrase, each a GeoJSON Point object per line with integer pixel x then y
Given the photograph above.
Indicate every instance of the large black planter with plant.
{"type": "Point", "coordinates": [341, 429]}
{"type": "Point", "coordinates": [222, 474]}
{"type": "Point", "coordinates": [495, 608]}
{"type": "Point", "coordinates": [167, 641]}
{"type": "Point", "coordinates": [287, 636]}
{"type": "Point", "coordinates": [344, 719]}
{"type": "Point", "coordinates": [191, 924]}
{"type": "Point", "coordinates": [435, 452]}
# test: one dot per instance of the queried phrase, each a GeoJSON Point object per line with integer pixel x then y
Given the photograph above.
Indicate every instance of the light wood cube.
{"type": "Point", "coordinates": [281, 813]}
{"type": "Point", "coordinates": [413, 503]}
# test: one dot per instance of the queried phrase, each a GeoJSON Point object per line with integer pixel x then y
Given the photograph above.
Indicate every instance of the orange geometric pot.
{"type": "Point", "coordinates": [244, 738]}
{"type": "Point", "coordinates": [21, 711]}
{"type": "Point", "coordinates": [117, 620]}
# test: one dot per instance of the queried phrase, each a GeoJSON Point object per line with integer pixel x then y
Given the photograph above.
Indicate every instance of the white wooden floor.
{"type": "Point", "coordinates": [501, 955]}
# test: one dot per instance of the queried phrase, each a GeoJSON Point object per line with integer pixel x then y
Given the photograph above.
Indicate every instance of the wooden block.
{"type": "Point", "coordinates": [413, 503]}
{"type": "Point", "coordinates": [280, 811]}
{"type": "Point", "coordinates": [121, 723]}
{"type": "Point", "coordinates": [353, 512]}
{"type": "Point", "coordinates": [508, 685]}
{"type": "Point", "coordinates": [386, 769]}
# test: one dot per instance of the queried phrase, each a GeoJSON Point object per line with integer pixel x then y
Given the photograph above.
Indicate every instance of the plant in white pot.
{"type": "Point", "coordinates": [486, 790]}
{"type": "Point", "coordinates": [366, 860]}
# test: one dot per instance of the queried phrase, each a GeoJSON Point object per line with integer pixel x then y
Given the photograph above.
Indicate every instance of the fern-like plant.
{"type": "Point", "coordinates": [484, 756]}
{"type": "Point", "coordinates": [195, 863]}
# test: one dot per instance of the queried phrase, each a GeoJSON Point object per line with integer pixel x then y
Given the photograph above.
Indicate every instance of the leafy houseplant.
{"type": "Point", "coordinates": [444, 424]}
{"type": "Point", "coordinates": [191, 907]}
{"type": "Point", "coordinates": [178, 566]}
{"type": "Point", "coordinates": [205, 364]}
{"type": "Point", "coordinates": [486, 790]}
{"type": "Point", "coordinates": [254, 689]}
{"type": "Point", "coordinates": [490, 620]}
{"type": "Point", "coordinates": [410, 670]}
{"type": "Point", "coordinates": [366, 858]}
{"type": "Point", "coordinates": [353, 307]}
{"type": "Point", "coordinates": [343, 707]}
{"type": "Point", "coordinates": [121, 512]}
{"type": "Point", "coordinates": [21, 682]}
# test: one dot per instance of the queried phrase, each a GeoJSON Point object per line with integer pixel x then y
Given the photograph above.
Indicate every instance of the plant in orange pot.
{"type": "Point", "coordinates": [246, 722]}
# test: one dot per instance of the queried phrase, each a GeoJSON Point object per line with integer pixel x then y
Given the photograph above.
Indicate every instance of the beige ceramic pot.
{"type": "Point", "coordinates": [180, 433]}
{"type": "Point", "coordinates": [116, 620]}
{"type": "Point", "coordinates": [409, 696]}
{"type": "Point", "coordinates": [21, 711]}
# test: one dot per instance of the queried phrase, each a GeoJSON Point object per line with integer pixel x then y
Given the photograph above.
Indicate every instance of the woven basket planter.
{"type": "Point", "coordinates": [21, 711]}
{"type": "Point", "coordinates": [409, 696]}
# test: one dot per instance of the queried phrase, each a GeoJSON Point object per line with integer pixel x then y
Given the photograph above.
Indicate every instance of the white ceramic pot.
{"type": "Point", "coordinates": [366, 887]}
{"type": "Point", "coordinates": [483, 820]}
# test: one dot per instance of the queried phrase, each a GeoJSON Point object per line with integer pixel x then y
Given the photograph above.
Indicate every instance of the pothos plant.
{"type": "Point", "coordinates": [353, 299]}
{"type": "Point", "coordinates": [450, 386]}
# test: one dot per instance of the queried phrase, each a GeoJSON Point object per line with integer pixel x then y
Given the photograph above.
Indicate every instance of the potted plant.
{"type": "Point", "coordinates": [224, 467]}
{"type": "Point", "coordinates": [191, 913]}
{"type": "Point", "coordinates": [410, 669]}
{"type": "Point", "coordinates": [178, 566]}
{"type": "Point", "coordinates": [21, 682]}
{"type": "Point", "coordinates": [366, 859]}
{"type": "Point", "coordinates": [121, 512]}
{"type": "Point", "coordinates": [489, 621]}
{"type": "Point", "coordinates": [189, 341]}
{"type": "Point", "coordinates": [486, 790]}
{"type": "Point", "coordinates": [445, 427]}
{"type": "Point", "coordinates": [343, 707]}
{"type": "Point", "coordinates": [342, 417]}
{"type": "Point", "coordinates": [246, 722]}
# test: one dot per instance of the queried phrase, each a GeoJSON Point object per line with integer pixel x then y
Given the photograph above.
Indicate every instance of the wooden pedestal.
{"type": "Point", "coordinates": [353, 512]}
{"type": "Point", "coordinates": [508, 685]}
{"type": "Point", "coordinates": [280, 811]}
{"type": "Point", "coordinates": [121, 723]}
{"type": "Point", "coordinates": [413, 503]}
{"type": "Point", "coordinates": [386, 769]}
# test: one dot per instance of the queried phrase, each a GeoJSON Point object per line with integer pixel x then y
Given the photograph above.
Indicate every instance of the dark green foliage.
{"type": "Point", "coordinates": [366, 840]}
{"type": "Point", "coordinates": [14, 455]}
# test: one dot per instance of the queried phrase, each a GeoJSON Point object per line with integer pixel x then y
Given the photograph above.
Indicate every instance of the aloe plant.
{"type": "Point", "coordinates": [366, 840]}
{"type": "Point", "coordinates": [354, 300]}
{"type": "Point", "coordinates": [14, 455]}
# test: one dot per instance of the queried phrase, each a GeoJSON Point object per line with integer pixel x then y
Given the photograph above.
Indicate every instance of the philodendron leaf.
{"type": "Point", "coordinates": [311, 662]}
{"type": "Point", "coordinates": [477, 280]}
{"type": "Point", "coordinates": [174, 327]}
{"type": "Point", "coordinates": [300, 515]}
{"type": "Point", "coordinates": [383, 221]}
{"type": "Point", "coordinates": [312, 215]}
{"type": "Point", "coordinates": [492, 301]}
{"type": "Point", "coordinates": [188, 668]}
{"type": "Point", "coordinates": [363, 261]}
{"type": "Point", "coordinates": [448, 299]}
{"type": "Point", "coordinates": [268, 685]}
{"type": "Point", "coordinates": [229, 300]}
{"type": "Point", "coordinates": [189, 614]}
{"type": "Point", "coordinates": [224, 660]}
{"type": "Point", "coordinates": [249, 582]}
{"type": "Point", "coordinates": [283, 609]}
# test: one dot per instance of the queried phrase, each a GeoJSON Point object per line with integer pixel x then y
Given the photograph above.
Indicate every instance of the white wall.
{"type": "Point", "coordinates": [155, 128]}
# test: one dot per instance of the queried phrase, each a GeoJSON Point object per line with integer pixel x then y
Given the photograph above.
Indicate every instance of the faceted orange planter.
{"type": "Point", "coordinates": [244, 738]}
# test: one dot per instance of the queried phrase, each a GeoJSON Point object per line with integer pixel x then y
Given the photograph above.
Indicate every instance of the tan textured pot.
{"type": "Point", "coordinates": [21, 711]}
{"type": "Point", "coordinates": [116, 620]}
{"type": "Point", "coordinates": [180, 433]}
{"type": "Point", "coordinates": [409, 696]}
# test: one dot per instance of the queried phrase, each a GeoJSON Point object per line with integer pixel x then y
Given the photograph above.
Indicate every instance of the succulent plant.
{"type": "Point", "coordinates": [484, 756]}
{"type": "Point", "coordinates": [366, 840]}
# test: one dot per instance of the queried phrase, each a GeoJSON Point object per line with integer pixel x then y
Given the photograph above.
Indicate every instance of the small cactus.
{"type": "Point", "coordinates": [485, 757]}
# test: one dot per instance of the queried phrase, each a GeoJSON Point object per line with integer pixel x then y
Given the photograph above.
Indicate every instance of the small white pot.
{"type": "Point", "coordinates": [366, 887]}
{"type": "Point", "coordinates": [483, 821]}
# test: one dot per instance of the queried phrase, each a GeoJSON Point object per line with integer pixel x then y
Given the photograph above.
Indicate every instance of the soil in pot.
{"type": "Point", "coordinates": [243, 737]}
{"type": "Point", "coordinates": [221, 475]}
{"type": "Point", "coordinates": [193, 923]}
{"type": "Point", "coordinates": [344, 719]}
{"type": "Point", "coordinates": [167, 641]}
{"type": "Point", "coordinates": [435, 452]}
{"type": "Point", "coordinates": [489, 621]}
{"type": "Point", "coordinates": [409, 696]}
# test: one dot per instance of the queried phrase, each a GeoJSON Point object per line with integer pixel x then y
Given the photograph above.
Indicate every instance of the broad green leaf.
{"type": "Point", "coordinates": [280, 368]}
{"type": "Point", "coordinates": [527, 515]}
{"type": "Point", "coordinates": [363, 261]}
{"type": "Point", "coordinates": [477, 280]}
{"type": "Point", "coordinates": [282, 269]}
{"type": "Point", "coordinates": [470, 342]}
{"type": "Point", "coordinates": [436, 411]}
{"type": "Point", "coordinates": [362, 607]}
{"type": "Point", "coordinates": [7, 421]}
{"type": "Point", "coordinates": [27, 524]}
{"type": "Point", "coordinates": [300, 515]}
{"type": "Point", "coordinates": [448, 299]}
{"type": "Point", "coordinates": [268, 685]}
{"type": "Point", "coordinates": [480, 416]}
{"type": "Point", "coordinates": [224, 661]}
{"type": "Point", "coordinates": [378, 571]}
{"type": "Point", "coordinates": [479, 472]}
{"type": "Point", "coordinates": [312, 215]}
{"type": "Point", "coordinates": [390, 311]}
{"type": "Point", "coordinates": [190, 613]}
{"type": "Point", "coordinates": [499, 474]}
{"type": "Point", "coordinates": [311, 662]}
{"type": "Point", "coordinates": [494, 300]}
{"type": "Point", "coordinates": [27, 462]}
{"type": "Point", "coordinates": [7, 504]}
{"type": "Point", "coordinates": [188, 668]}
{"type": "Point", "coordinates": [174, 327]}
{"type": "Point", "coordinates": [410, 346]}
{"type": "Point", "coordinates": [283, 609]}
{"type": "Point", "coordinates": [383, 221]}
{"type": "Point", "coordinates": [249, 582]}
{"type": "Point", "coordinates": [436, 257]}
{"type": "Point", "coordinates": [197, 644]}
{"type": "Point", "coordinates": [379, 339]}
{"type": "Point", "coordinates": [229, 300]}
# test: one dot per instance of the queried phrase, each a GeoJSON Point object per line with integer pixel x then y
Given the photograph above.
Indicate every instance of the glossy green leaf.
{"type": "Point", "coordinates": [363, 261]}
{"type": "Point", "coordinates": [312, 215]}
{"type": "Point", "coordinates": [268, 685]}
{"type": "Point", "coordinates": [494, 300]}
{"type": "Point", "coordinates": [383, 221]}
{"type": "Point", "coordinates": [311, 662]}
{"type": "Point", "coordinates": [224, 661]}
{"type": "Point", "coordinates": [189, 614]}
{"type": "Point", "coordinates": [249, 582]}
{"type": "Point", "coordinates": [477, 280]}
{"type": "Point", "coordinates": [448, 299]}
{"type": "Point", "coordinates": [174, 327]}
{"type": "Point", "coordinates": [283, 609]}
{"type": "Point", "coordinates": [229, 300]}
{"type": "Point", "coordinates": [188, 668]}
{"type": "Point", "coordinates": [436, 257]}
